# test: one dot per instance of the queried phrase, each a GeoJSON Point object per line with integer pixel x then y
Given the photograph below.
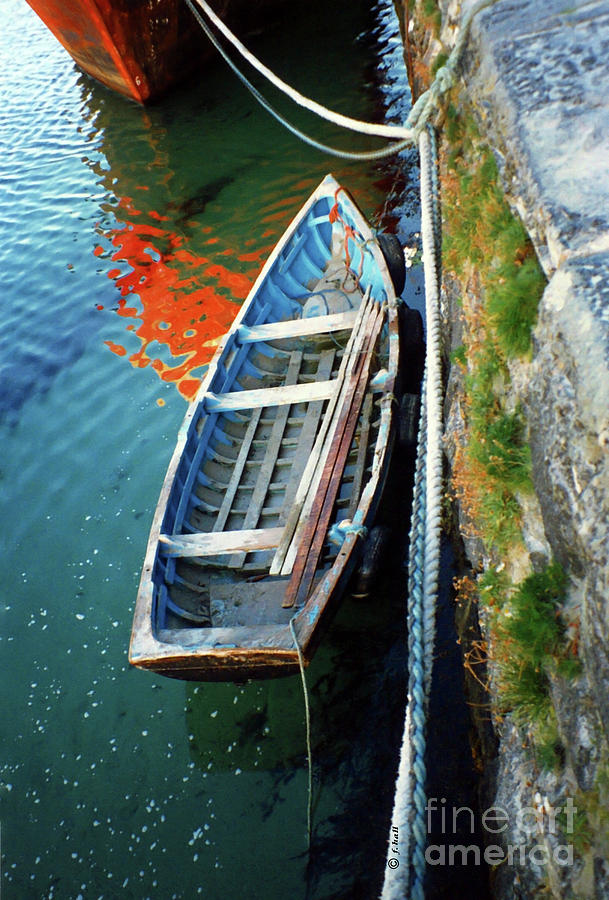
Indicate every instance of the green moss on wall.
{"type": "Point", "coordinates": [430, 14]}
{"type": "Point", "coordinates": [484, 242]}
{"type": "Point", "coordinates": [488, 250]}
{"type": "Point", "coordinates": [482, 231]}
{"type": "Point", "coordinates": [529, 645]}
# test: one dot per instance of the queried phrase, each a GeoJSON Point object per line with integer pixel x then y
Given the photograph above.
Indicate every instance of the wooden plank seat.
{"type": "Point", "coordinates": [215, 543]}
{"type": "Point", "coordinates": [273, 331]}
{"type": "Point", "coordinates": [232, 401]}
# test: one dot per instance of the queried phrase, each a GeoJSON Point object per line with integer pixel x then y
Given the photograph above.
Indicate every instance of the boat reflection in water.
{"type": "Point", "coordinates": [184, 301]}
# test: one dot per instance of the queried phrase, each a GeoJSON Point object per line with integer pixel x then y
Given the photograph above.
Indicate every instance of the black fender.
{"type": "Point", "coordinates": [372, 555]}
{"type": "Point", "coordinates": [412, 349]}
{"type": "Point", "coordinates": [393, 254]}
{"type": "Point", "coordinates": [408, 415]}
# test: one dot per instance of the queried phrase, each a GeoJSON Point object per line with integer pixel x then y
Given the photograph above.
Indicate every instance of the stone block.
{"type": "Point", "coordinates": [537, 75]}
{"type": "Point", "coordinates": [568, 414]}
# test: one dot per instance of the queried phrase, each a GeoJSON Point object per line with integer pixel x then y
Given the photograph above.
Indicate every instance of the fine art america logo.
{"type": "Point", "coordinates": [551, 822]}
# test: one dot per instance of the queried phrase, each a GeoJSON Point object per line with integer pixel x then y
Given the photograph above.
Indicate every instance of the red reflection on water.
{"type": "Point", "coordinates": [181, 279]}
{"type": "Point", "coordinates": [183, 302]}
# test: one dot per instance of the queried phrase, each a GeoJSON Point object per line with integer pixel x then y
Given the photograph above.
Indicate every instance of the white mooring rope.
{"type": "Point", "coordinates": [387, 131]}
{"type": "Point", "coordinates": [404, 136]}
{"type": "Point", "coordinates": [361, 155]}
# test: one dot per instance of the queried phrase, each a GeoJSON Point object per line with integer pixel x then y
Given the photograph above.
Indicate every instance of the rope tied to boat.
{"type": "Point", "coordinates": [350, 234]}
{"type": "Point", "coordinates": [337, 534]}
{"type": "Point", "coordinates": [335, 216]}
{"type": "Point", "coordinates": [403, 136]}
{"type": "Point", "coordinates": [305, 691]}
{"type": "Point", "coordinates": [405, 872]}
{"type": "Point", "coordinates": [340, 530]}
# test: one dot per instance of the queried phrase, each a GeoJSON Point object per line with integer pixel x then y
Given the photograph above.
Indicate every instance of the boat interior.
{"type": "Point", "coordinates": [226, 552]}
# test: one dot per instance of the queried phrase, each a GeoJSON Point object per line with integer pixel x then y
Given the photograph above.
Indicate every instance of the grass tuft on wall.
{"type": "Point", "coordinates": [488, 250]}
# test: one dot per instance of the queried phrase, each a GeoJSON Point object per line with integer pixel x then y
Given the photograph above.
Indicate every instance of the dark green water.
{"type": "Point", "coordinates": [127, 239]}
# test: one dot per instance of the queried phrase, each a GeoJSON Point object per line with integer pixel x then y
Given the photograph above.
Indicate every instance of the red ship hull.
{"type": "Point", "coordinates": [139, 48]}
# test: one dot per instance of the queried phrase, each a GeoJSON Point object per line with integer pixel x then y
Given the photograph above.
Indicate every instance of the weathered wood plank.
{"type": "Point", "coordinates": [303, 506]}
{"type": "Point", "coordinates": [275, 396]}
{"type": "Point", "coordinates": [286, 552]}
{"type": "Point", "coordinates": [231, 490]}
{"type": "Point", "coordinates": [218, 542]}
{"type": "Point", "coordinates": [362, 452]}
{"type": "Point", "coordinates": [306, 438]}
{"type": "Point", "coordinates": [270, 458]}
{"type": "Point", "coordinates": [311, 543]}
{"type": "Point", "coordinates": [273, 331]}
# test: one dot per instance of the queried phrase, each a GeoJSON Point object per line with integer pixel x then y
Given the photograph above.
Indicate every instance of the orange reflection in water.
{"type": "Point", "coordinates": [181, 278]}
{"type": "Point", "coordinates": [180, 302]}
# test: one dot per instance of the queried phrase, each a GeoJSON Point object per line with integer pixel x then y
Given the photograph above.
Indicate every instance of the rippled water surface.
{"type": "Point", "coordinates": [128, 238]}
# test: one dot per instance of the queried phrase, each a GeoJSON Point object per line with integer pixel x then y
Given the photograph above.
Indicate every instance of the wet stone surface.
{"type": "Point", "coordinates": [537, 74]}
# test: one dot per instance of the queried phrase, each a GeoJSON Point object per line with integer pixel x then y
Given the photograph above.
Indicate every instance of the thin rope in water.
{"type": "Point", "coordinates": [405, 136]}
{"type": "Point", "coordinates": [388, 131]}
{"type": "Point", "coordinates": [308, 728]}
{"type": "Point", "coordinates": [405, 872]}
{"type": "Point", "coordinates": [362, 155]}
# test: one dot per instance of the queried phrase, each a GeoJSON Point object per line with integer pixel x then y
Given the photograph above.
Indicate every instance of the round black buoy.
{"type": "Point", "coordinates": [393, 253]}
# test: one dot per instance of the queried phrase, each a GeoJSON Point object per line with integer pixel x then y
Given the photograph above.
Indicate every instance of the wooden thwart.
{"type": "Point", "coordinates": [232, 401]}
{"type": "Point", "coordinates": [216, 543]}
{"type": "Point", "coordinates": [273, 331]}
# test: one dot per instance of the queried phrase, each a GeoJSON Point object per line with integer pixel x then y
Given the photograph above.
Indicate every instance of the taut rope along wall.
{"type": "Point", "coordinates": [405, 872]}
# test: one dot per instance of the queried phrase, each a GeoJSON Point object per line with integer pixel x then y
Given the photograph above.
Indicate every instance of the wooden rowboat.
{"type": "Point", "coordinates": [280, 461]}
